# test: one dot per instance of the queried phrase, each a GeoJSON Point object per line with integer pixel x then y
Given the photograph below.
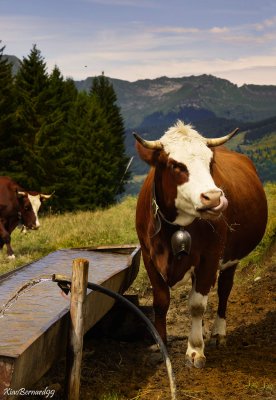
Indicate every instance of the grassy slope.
{"type": "Point", "coordinates": [103, 227]}
{"type": "Point", "coordinates": [256, 256]}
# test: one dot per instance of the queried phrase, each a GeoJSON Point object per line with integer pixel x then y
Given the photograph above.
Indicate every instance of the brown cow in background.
{"type": "Point", "coordinates": [17, 207]}
{"type": "Point", "coordinates": [203, 193]}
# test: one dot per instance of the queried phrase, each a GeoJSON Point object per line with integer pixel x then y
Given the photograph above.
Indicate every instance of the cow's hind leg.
{"type": "Point", "coordinates": [225, 284]}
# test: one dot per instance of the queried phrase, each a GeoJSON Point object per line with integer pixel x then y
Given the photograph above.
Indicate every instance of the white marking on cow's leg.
{"type": "Point", "coordinates": [219, 327]}
{"type": "Point", "coordinates": [219, 331]}
{"type": "Point", "coordinates": [195, 351]}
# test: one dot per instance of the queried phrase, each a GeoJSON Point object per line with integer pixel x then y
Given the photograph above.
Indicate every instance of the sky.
{"type": "Point", "coordinates": [140, 39]}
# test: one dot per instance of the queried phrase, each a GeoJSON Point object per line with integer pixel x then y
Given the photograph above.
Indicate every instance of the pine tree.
{"type": "Point", "coordinates": [8, 139]}
{"type": "Point", "coordinates": [54, 154]}
{"type": "Point", "coordinates": [102, 90]}
{"type": "Point", "coordinates": [87, 127]}
{"type": "Point", "coordinates": [32, 83]}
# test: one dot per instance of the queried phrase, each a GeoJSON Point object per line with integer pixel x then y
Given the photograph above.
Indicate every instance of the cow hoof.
{"type": "Point", "coordinates": [197, 361]}
{"type": "Point", "coordinates": [221, 340]}
{"type": "Point", "coordinates": [11, 257]}
{"type": "Point", "coordinates": [217, 341]}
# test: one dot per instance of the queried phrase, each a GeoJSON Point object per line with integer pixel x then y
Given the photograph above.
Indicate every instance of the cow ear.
{"type": "Point", "coordinates": [150, 156]}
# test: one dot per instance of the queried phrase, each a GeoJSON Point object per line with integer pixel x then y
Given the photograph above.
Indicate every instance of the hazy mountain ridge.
{"type": "Point", "coordinates": [141, 100]}
{"type": "Point", "coordinates": [138, 100]}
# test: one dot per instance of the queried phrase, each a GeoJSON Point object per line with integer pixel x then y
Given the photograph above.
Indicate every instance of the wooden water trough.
{"type": "Point", "coordinates": [33, 330]}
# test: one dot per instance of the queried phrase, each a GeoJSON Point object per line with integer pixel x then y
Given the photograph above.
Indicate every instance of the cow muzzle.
{"type": "Point", "coordinates": [29, 228]}
{"type": "Point", "coordinates": [214, 202]}
{"type": "Point", "coordinates": [34, 227]}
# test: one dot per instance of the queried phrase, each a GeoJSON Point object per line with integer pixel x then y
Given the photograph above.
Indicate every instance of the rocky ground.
{"type": "Point", "coordinates": [119, 364]}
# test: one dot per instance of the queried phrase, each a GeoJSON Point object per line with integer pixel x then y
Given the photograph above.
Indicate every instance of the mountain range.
{"type": "Point", "coordinates": [214, 106]}
{"type": "Point", "coordinates": [197, 96]}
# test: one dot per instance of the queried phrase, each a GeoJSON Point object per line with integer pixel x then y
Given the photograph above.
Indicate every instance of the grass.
{"type": "Point", "coordinates": [112, 226]}
{"type": "Point", "coordinates": [110, 396]}
{"type": "Point", "coordinates": [263, 388]}
{"type": "Point", "coordinates": [256, 257]}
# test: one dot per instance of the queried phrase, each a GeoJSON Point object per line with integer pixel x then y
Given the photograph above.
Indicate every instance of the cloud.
{"type": "Point", "coordinates": [258, 75]}
{"type": "Point", "coordinates": [174, 29]}
{"type": "Point", "coordinates": [267, 23]}
{"type": "Point", "coordinates": [139, 50]}
{"type": "Point", "coordinates": [217, 29]}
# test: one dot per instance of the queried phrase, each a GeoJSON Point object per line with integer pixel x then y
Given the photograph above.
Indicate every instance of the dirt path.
{"type": "Point", "coordinates": [244, 369]}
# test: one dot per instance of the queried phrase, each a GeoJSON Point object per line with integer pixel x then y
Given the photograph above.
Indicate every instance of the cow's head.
{"type": "Point", "coordinates": [29, 204]}
{"type": "Point", "coordinates": [183, 162]}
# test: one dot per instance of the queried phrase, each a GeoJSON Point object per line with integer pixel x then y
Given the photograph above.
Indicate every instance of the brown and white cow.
{"type": "Point", "coordinates": [17, 207]}
{"type": "Point", "coordinates": [216, 196]}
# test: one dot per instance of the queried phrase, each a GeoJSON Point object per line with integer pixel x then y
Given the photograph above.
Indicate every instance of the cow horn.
{"type": "Point", "coordinates": [148, 144]}
{"type": "Point", "coordinates": [222, 140]}
{"type": "Point", "coordinates": [46, 196]}
{"type": "Point", "coordinates": [20, 194]}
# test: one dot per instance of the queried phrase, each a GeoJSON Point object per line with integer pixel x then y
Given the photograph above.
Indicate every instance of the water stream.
{"type": "Point", "coordinates": [23, 289]}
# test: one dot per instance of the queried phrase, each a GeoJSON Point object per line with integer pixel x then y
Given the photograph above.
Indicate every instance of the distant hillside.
{"type": "Point", "coordinates": [164, 98]}
{"type": "Point", "coordinates": [14, 61]}
{"type": "Point", "coordinates": [259, 144]}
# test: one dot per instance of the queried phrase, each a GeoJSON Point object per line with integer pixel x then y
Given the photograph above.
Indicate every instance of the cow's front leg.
{"type": "Point", "coordinates": [161, 296]}
{"type": "Point", "coordinates": [195, 351]}
{"type": "Point", "coordinates": [10, 252]}
{"type": "Point", "coordinates": [6, 239]}
{"type": "Point", "coordinates": [161, 302]}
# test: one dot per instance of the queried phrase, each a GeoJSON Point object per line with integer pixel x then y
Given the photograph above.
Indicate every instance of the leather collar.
{"type": "Point", "coordinates": [158, 215]}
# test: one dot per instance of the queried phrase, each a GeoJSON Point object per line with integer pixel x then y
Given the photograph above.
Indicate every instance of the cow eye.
{"type": "Point", "coordinates": [180, 167]}
{"type": "Point", "coordinates": [174, 165]}
{"type": "Point", "coordinates": [183, 168]}
{"type": "Point", "coordinates": [26, 208]}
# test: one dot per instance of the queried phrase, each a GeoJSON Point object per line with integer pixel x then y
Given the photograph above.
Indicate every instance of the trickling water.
{"type": "Point", "coordinates": [23, 289]}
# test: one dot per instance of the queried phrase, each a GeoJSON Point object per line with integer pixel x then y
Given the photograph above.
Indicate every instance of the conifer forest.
{"type": "Point", "coordinates": [56, 139]}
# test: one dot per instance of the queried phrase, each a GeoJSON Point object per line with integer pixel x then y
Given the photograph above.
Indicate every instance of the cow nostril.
{"type": "Point", "coordinates": [204, 197]}
{"type": "Point", "coordinates": [211, 198]}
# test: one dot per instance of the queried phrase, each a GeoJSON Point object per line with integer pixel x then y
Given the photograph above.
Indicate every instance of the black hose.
{"type": "Point", "coordinates": [150, 326]}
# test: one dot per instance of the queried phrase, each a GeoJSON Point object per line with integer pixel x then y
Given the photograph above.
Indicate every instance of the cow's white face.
{"type": "Point", "coordinates": [198, 196]}
{"type": "Point", "coordinates": [36, 203]}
